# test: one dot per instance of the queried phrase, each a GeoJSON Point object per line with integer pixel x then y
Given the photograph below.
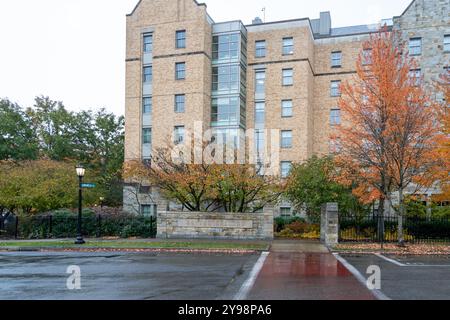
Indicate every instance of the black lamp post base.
{"type": "Point", "coordinates": [80, 241]}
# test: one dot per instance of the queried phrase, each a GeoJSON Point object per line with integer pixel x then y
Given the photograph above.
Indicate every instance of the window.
{"type": "Point", "coordinates": [260, 49]}
{"type": "Point", "coordinates": [180, 71]}
{"type": "Point", "coordinates": [147, 105]}
{"type": "Point", "coordinates": [335, 117]}
{"type": "Point", "coordinates": [178, 134]}
{"type": "Point", "coordinates": [180, 100]}
{"type": "Point", "coordinates": [260, 115]}
{"type": "Point", "coordinates": [149, 210]}
{"type": "Point", "coordinates": [180, 39]}
{"type": "Point", "coordinates": [286, 167]}
{"type": "Point", "coordinates": [288, 46]}
{"type": "Point", "coordinates": [288, 77]}
{"type": "Point", "coordinates": [336, 59]}
{"type": "Point", "coordinates": [148, 43]}
{"type": "Point", "coordinates": [367, 57]}
{"type": "Point", "coordinates": [260, 79]}
{"type": "Point", "coordinates": [147, 136]}
{"type": "Point", "coordinates": [335, 146]}
{"type": "Point", "coordinates": [225, 111]}
{"type": "Point", "coordinates": [335, 88]}
{"type": "Point", "coordinates": [415, 46]}
{"type": "Point", "coordinates": [286, 139]}
{"type": "Point", "coordinates": [447, 43]}
{"type": "Point", "coordinates": [148, 74]}
{"type": "Point", "coordinates": [226, 47]}
{"type": "Point", "coordinates": [226, 78]}
{"type": "Point", "coordinates": [415, 76]}
{"type": "Point", "coordinates": [285, 211]}
{"type": "Point", "coordinates": [286, 108]}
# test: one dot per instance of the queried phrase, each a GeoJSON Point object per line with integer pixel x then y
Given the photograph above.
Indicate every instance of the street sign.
{"type": "Point", "coordinates": [88, 185]}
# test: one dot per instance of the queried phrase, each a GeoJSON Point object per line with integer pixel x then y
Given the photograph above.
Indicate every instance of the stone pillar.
{"type": "Point", "coordinates": [329, 224]}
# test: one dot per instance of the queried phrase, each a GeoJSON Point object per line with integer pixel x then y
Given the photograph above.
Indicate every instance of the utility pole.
{"type": "Point", "coordinates": [264, 12]}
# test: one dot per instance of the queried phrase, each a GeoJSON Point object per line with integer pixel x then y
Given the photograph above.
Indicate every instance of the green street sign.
{"type": "Point", "coordinates": [88, 185]}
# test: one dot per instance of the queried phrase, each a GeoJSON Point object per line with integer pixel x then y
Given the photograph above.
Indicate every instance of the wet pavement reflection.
{"type": "Point", "coordinates": [307, 276]}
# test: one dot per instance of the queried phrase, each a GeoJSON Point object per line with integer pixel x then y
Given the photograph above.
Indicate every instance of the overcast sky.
{"type": "Point", "coordinates": [74, 50]}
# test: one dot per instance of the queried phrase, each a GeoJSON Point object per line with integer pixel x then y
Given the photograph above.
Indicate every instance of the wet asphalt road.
{"type": "Point", "coordinates": [124, 276]}
{"type": "Point", "coordinates": [408, 277]}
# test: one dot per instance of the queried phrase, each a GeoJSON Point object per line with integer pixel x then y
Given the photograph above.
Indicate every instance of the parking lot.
{"type": "Point", "coordinates": [408, 277]}
{"type": "Point", "coordinates": [136, 276]}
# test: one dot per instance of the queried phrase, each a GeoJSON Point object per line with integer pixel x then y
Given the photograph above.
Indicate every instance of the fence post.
{"type": "Point", "coordinates": [329, 224]}
{"type": "Point", "coordinates": [16, 233]}
{"type": "Point", "coordinates": [99, 226]}
{"type": "Point", "coordinates": [50, 225]}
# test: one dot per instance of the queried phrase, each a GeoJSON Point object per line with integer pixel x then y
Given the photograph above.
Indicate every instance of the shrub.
{"type": "Point", "coordinates": [281, 222]}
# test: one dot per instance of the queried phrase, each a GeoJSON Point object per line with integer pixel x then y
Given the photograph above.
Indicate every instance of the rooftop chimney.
{"type": "Point", "coordinates": [325, 23]}
{"type": "Point", "coordinates": [257, 20]}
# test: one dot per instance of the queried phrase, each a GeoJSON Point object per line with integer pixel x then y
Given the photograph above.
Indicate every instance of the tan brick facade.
{"type": "Point", "coordinates": [314, 42]}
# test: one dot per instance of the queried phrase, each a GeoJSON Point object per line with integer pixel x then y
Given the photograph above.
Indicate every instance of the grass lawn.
{"type": "Point", "coordinates": [123, 244]}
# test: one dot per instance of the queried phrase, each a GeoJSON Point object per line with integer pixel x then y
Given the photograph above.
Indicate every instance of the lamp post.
{"type": "Point", "coordinates": [80, 173]}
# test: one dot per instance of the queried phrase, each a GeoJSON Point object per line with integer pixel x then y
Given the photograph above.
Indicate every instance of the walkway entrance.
{"type": "Point", "coordinates": [305, 270]}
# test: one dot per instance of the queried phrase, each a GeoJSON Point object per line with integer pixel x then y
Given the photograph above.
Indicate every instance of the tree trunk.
{"type": "Point", "coordinates": [401, 240]}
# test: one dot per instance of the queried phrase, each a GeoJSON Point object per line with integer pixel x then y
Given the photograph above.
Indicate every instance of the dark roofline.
{"type": "Point", "coordinates": [139, 2]}
{"type": "Point", "coordinates": [276, 22]}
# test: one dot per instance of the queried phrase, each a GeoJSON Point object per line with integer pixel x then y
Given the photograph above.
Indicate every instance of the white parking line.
{"type": "Point", "coordinates": [377, 293]}
{"type": "Point", "coordinates": [250, 282]}
{"type": "Point", "coordinates": [397, 263]}
{"type": "Point", "coordinates": [379, 255]}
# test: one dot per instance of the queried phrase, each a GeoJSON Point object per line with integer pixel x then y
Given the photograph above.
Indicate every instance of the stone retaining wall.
{"type": "Point", "coordinates": [215, 225]}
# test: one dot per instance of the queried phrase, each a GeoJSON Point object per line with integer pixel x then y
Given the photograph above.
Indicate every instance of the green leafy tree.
{"type": "Point", "coordinates": [17, 138]}
{"type": "Point", "coordinates": [30, 187]}
{"type": "Point", "coordinates": [311, 184]}
{"type": "Point", "coordinates": [54, 127]}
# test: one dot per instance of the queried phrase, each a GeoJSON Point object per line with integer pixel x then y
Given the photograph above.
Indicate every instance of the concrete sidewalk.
{"type": "Point", "coordinates": [305, 270]}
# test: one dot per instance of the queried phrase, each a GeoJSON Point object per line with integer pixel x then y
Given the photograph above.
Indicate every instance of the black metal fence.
{"type": "Point", "coordinates": [48, 227]}
{"type": "Point", "coordinates": [374, 228]}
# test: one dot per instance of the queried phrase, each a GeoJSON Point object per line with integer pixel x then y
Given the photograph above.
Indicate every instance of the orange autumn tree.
{"type": "Point", "coordinates": [206, 185]}
{"type": "Point", "coordinates": [389, 133]}
{"type": "Point", "coordinates": [443, 86]}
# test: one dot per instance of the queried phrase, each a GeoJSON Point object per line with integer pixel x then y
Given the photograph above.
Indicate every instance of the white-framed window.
{"type": "Point", "coordinates": [147, 105]}
{"type": "Point", "coordinates": [335, 117]}
{"type": "Point", "coordinates": [447, 43]}
{"type": "Point", "coordinates": [288, 77]}
{"type": "Point", "coordinates": [148, 42]}
{"type": "Point", "coordinates": [335, 146]}
{"type": "Point", "coordinates": [178, 134]}
{"type": "Point", "coordinates": [367, 57]}
{"type": "Point", "coordinates": [260, 81]}
{"type": "Point", "coordinates": [286, 167]}
{"type": "Point", "coordinates": [415, 46]}
{"type": "Point", "coordinates": [149, 210]}
{"type": "Point", "coordinates": [336, 59]}
{"type": "Point", "coordinates": [415, 76]}
{"type": "Point", "coordinates": [286, 109]}
{"type": "Point", "coordinates": [180, 100]}
{"type": "Point", "coordinates": [335, 88]}
{"type": "Point", "coordinates": [180, 70]}
{"type": "Point", "coordinates": [286, 211]}
{"type": "Point", "coordinates": [286, 139]}
{"type": "Point", "coordinates": [148, 74]}
{"type": "Point", "coordinates": [260, 49]}
{"type": "Point", "coordinates": [180, 37]}
{"type": "Point", "coordinates": [260, 112]}
{"type": "Point", "coordinates": [147, 135]}
{"type": "Point", "coordinates": [288, 46]}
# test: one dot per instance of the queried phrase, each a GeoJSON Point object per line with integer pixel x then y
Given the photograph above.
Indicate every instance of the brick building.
{"type": "Point", "coordinates": [184, 70]}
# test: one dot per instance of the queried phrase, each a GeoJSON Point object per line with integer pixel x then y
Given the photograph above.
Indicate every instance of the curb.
{"type": "Point", "coordinates": [143, 250]}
